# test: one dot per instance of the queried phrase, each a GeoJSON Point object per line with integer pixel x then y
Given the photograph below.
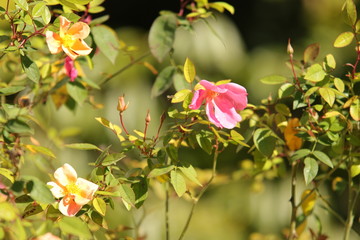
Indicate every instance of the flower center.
{"type": "Point", "coordinates": [67, 40]}
{"type": "Point", "coordinates": [72, 188]}
{"type": "Point", "coordinates": [211, 95]}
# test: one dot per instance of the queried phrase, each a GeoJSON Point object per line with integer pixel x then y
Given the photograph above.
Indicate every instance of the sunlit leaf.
{"type": "Point", "coordinates": [301, 153]}
{"type": "Point", "coordinates": [40, 149]}
{"type": "Point", "coordinates": [330, 61]}
{"type": "Point", "coordinates": [31, 209]}
{"type": "Point", "coordinates": [160, 171]}
{"type": "Point", "coordinates": [311, 52]}
{"type": "Point", "coordinates": [355, 170]}
{"type": "Point", "coordinates": [7, 173]}
{"type": "Point", "coordinates": [308, 199]}
{"type": "Point", "coordinates": [162, 35]}
{"type": "Point", "coordinates": [273, 79]}
{"type": "Point", "coordinates": [339, 84]}
{"type": "Point", "coordinates": [38, 190]}
{"type": "Point", "coordinates": [83, 146]}
{"type": "Point", "coordinates": [351, 11]}
{"type": "Point", "coordinates": [11, 90]}
{"type": "Point", "coordinates": [315, 73]}
{"type": "Point", "coordinates": [178, 182]}
{"type": "Point", "coordinates": [344, 39]}
{"type": "Point", "coordinates": [328, 95]}
{"type": "Point", "coordinates": [355, 109]}
{"type": "Point", "coordinates": [221, 6]}
{"type": "Point", "coordinates": [127, 195]}
{"type": "Point", "coordinates": [180, 95]}
{"type": "Point", "coordinates": [99, 205]}
{"type": "Point", "coordinates": [189, 71]}
{"type": "Point", "coordinates": [190, 172]}
{"type": "Point", "coordinates": [22, 4]}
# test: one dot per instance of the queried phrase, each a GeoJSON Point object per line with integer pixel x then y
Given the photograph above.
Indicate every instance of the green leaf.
{"type": "Point", "coordinates": [30, 68]}
{"type": "Point", "coordinates": [328, 95]}
{"type": "Point", "coordinates": [141, 192]}
{"type": "Point", "coordinates": [160, 171]}
{"type": "Point", "coordinates": [315, 73]}
{"type": "Point", "coordinates": [351, 11]}
{"type": "Point", "coordinates": [11, 90]}
{"type": "Point", "coordinates": [180, 95]}
{"type": "Point", "coordinates": [22, 4]}
{"type": "Point", "coordinates": [339, 84]}
{"type": "Point", "coordinates": [189, 71]}
{"type": "Point", "coordinates": [112, 159]}
{"type": "Point", "coordinates": [41, 10]}
{"type": "Point", "coordinates": [273, 79]}
{"type": "Point", "coordinates": [83, 146]}
{"type": "Point", "coordinates": [286, 90]}
{"type": "Point", "coordinates": [38, 190]}
{"type": "Point", "coordinates": [178, 182]}
{"type": "Point", "coordinates": [74, 226]}
{"type": "Point", "coordinates": [189, 171]}
{"type": "Point", "coordinates": [221, 6]}
{"type": "Point", "coordinates": [99, 205]}
{"type": "Point", "coordinates": [204, 142]}
{"type": "Point", "coordinates": [310, 170]}
{"type": "Point", "coordinates": [127, 195]}
{"type": "Point", "coordinates": [300, 154]}
{"type": "Point", "coordinates": [40, 149]}
{"type": "Point", "coordinates": [32, 209]}
{"type": "Point", "coordinates": [323, 158]}
{"type": "Point", "coordinates": [344, 39]}
{"type": "Point", "coordinates": [355, 170]}
{"type": "Point", "coordinates": [162, 35]}
{"type": "Point", "coordinates": [77, 91]}
{"type": "Point", "coordinates": [17, 126]}
{"type": "Point", "coordinates": [163, 81]}
{"type": "Point", "coordinates": [81, 2]}
{"type": "Point", "coordinates": [283, 109]}
{"type": "Point", "coordinates": [8, 212]}
{"type": "Point", "coordinates": [8, 174]}
{"type": "Point", "coordinates": [107, 41]}
{"type": "Point", "coordinates": [330, 61]}
{"type": "Point", "coordinates": [264, 141]}
{"type": "Point", "coordinates": [355, 109]}
{"type": "Point", "coordinates": [311, 52]}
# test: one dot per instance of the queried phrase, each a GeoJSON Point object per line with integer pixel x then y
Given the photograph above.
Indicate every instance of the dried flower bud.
{"type": "Point", "coordinates": [290, 50]}
{"type": "Point", "coordinates": [148, 118]}
{"type": "Point", "coordinates": [121, 107]}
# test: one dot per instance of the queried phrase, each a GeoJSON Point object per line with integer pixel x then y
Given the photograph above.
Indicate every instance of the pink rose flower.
{"type": "Point", "coordinates": [70, 39]}
{"type": "Point", "coordinates": [70, 69]}
{"type": "Point", "coordinates": [75, 192]}
{"type": "Point", "coordinates": [222, 102]}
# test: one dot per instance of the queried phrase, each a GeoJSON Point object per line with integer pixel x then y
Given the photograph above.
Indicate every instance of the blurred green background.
{"type": "Point", "coordinates": [250, 45]}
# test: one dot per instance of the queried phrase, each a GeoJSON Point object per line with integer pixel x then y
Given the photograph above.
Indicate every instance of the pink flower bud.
{"type": "Point", "coordinates": [121, 107]}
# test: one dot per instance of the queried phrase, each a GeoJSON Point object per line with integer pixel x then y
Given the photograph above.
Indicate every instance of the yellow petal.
{"type": "Point", "coordinates": [64, 25]}
{"type": "Point", "coordinates": [53, 41]}
{"type": "Point", "coordinates": [79, 30]}
{"type": "Point", "coordinates": [70, 52]}
{"type": "Point", "coordinates": [81, 48]}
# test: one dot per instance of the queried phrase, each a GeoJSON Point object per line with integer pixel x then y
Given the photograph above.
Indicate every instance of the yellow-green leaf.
{"type": "Point", "coordinates": [189, 71]}
{"type": "Point", "coordinates": [355, 170]}
{"type": "Point", "coordinates": [355, 109]}
{"type": "Point", "coordinates": [99, 205]}
{"type": "Point", "coordinates": [273, 79]}
{"type": "Point", "coordinates": [351, 11]}
{"type": "Point", "coordinates": [180, 95]}
{"type": "Point", "coordinates": [221, 6]}
{"type": "Point", "coordinates": [308, 199]}
{"type": "Point", "coordinates": [328, 95]}
{"type": "Point", "coordinates": [330, 61]}
{"type": "Point", "coordinates": [315, 73]}
{"type": "Point", "coordinates": [339, 84]}
{"type": "Point", "coordinates": [7, 173]}
{"type": "Point", "coordinates": [344, 39]}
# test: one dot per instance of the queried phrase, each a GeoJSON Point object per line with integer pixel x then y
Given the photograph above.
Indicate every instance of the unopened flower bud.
{"type": "Point", "coordinates": [121, 104]}
{"type": "Point", "coordinates": [290, 50]}
{"type": "Point", "coordinates": [148, 118]}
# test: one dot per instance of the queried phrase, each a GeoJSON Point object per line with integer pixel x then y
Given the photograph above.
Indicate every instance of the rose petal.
{"type": "Point", "coordinates": [64, 25]}
{"type": "Point", "coordinates": [211, 114]}
{"type": "Point", "coordinates": [56, 190]}
{"type": "Point", "coordinates": [79, 30]}
{"type": "Point", "coordinates": [70, 209]}
{"type": "Point", "coordinates": [237, 94]}
{"type": "Point", "coordinates": [211, 86]}
{"type": "Point", "coordinates": [197, 99]}
{"type": "Point", "coordinates": [73, 55]}
{"type": "Point", "coordinates": [81, 48]}
{"type": "Point", "coordinates": [65, 175]}
{"type": "Point", "coordinates": [71, 71]}
{"type": "Point", "coordinates": [53, 41]}
{"type": "Point", "coordinates": [87, 191]}
{"type": "Point", "coordinates": [225, 113]}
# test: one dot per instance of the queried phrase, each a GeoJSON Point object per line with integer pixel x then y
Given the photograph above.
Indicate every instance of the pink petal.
{"type": "Point", "coordinates": [211, 86]}
{"type": "Point", "coordinates": [69, 209]}
{"type": "Point", "coordinates": [53, 41]}
{"type": "Point", "coordinates": [79, 30]}
{"type": "Point", "coordinates": [71, 71]}
{"type": "Point", "coordinates": [65, 175]}
{"type": "Point", "coordinates": [226, 114]}
{"type": "Point", "coordinates": [56, 190]}
{"type": "Point", "coordinates": [211, 114]}
{"type": "Point", "coordinates": [236, 94]}
{"type": "Point", "coordinates": [197, 99]}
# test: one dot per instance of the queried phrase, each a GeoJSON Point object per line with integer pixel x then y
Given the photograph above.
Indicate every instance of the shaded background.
{"type": "Point", "coordinates": [252, 44]}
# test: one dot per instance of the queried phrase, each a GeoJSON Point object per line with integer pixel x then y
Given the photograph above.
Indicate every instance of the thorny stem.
{"type": "Point", "coordinates": [293, 234]}
{"type": "Point", "coordinates": [124, 68]}
{"type": "Point", "coordinates": [203, 190]}
{"type": "Point", "coordinates": [162, 119]}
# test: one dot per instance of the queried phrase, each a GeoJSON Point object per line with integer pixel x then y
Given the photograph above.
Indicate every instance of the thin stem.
{"type": "Point", "coordinates": [203, 190]}
{"type": "Point", "coordinates": [350, 213]}
{"type": "Point", "coordinates": [122, 123]}
{"type": "Point", "coordinates": [293, 68]}
{"type": "Point", "coordinates": [294, 207]}
{"type": "Point", "coordinates": [124, 68]}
